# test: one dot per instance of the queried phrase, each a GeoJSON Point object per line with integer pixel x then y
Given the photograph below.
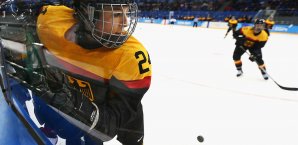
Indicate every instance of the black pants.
{"type": "Point", "coordinates": [231, 28]}
{"type": "Point", "coordinates": [195, 24]}
{"type": "Point", "coordinates": [238, 52]}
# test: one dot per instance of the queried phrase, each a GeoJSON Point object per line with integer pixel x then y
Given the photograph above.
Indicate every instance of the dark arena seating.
{"type": "Point", "coordinates": [219, 9]}
{"type": "Point", "coordinates": [286, 11]}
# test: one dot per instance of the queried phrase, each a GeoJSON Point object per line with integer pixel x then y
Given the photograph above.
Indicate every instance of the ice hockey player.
{"type": "Point", "coordinates": [269, 25]}
{"type": "Point", "coordinates": [251, 39]}
{"type": "Point", "coordinates": [228, 18]}
{"type": "Point", "coordinates": [232, 25]}
{"type": "Point", "coordinates": [103, 72]}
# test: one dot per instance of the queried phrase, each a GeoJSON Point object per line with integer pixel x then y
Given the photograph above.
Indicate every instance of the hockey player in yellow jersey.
{"type": "Point", "coordinates": [232, 23]}
{"type": "Point", "coordinates": [269, 25]}
{"type": "Point", "coordinates": [251, 39]}
{"type": "Point", "coordinates": [228, 18]}
{"type": "Point", "coordinates": [104, 70]}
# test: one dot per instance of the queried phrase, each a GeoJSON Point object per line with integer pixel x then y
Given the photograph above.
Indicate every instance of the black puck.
{"type": "Point", "coordinates": [200, 138]}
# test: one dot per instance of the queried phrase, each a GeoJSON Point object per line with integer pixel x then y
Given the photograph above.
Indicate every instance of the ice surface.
{"type": "Point", "coordinates": [195, 90]}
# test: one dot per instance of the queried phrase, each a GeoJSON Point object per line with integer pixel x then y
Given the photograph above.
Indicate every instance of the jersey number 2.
{"type": "Point", "coordinates": [142, 61]}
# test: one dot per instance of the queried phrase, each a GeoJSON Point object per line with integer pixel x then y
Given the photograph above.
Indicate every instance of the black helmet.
{"type": "Point", "coordinates": [259, 25]}
{"type": "Point", "coordinates": [259, 21]}
{"type": "Point", "coordinates": [110, 22]}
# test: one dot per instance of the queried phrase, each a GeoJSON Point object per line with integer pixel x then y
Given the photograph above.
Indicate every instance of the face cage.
{"type": "Point", "coordinates": [96, 15]}
{"type": "Point", "coordinates": [259, 27]}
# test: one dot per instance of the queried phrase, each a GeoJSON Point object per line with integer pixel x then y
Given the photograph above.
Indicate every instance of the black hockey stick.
{"type": "Point", "coordinates": [226, 35]}
{"type": "Point", "coordinates": [282, 87]}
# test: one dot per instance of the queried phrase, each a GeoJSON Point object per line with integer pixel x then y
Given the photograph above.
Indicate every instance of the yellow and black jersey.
{"type": "Point", "coordinates": [122, 75]}
{"type": "Point", "coordinates": [232, 23]}
{"type": "Point", "coordinates": [269, 24]}
{"type": "Point", "coordinates": [227, 19]}
{"type": "Point", "coordinates": [129, 63]}
{"type": "Point", "coordinates": [241, 19]}
{"type": "Point", "coordinates": [202, 18]}
{"type": "Point", "coordinates": [251, 40]}
{"type": "Point", "coordinates": [209, 18]}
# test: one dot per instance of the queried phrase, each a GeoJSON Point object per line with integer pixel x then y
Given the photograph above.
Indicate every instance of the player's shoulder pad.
{"type": "Point", "coordinates": [269, 22]}
{"type": "Point", "coordinates": [135, 63]}
{"type": "Point", "coordinates": [52, 9]}
{"type": "Point", "coordinates": [233, 21]}
{"type": "Point", "coordinates": [246, 28]}
{"type": "Point", "coordinates": [263, 36]}
{"type": "Point", "coordinates": [248, 32]}
{"type": "Point", "coordinates": [243, 30]}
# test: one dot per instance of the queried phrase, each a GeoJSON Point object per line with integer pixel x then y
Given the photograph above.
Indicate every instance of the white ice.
{"type": "Point", "coordinates": [195, 91]}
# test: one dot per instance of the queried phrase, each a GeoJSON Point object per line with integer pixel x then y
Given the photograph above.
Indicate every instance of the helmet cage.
{"type": "Point", "coordinates": [259, 25]}
{"type": "Point", "coordinates": [93, 16]}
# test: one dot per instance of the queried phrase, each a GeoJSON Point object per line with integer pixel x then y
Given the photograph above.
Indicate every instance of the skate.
{"type": "Point", "coordinates": [239, 73]}
{"type": "Point", "coordinates": [265, 75]}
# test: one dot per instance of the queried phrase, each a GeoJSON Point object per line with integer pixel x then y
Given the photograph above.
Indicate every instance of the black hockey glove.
{"type": "Point", "coordinates": [69, 100]}
{"type": "Point", "coordinates": [85, 110]}
{"type": "Point", "coordinates": [61, 101]}
{"type": "Point", "coordinates": [78, 106]}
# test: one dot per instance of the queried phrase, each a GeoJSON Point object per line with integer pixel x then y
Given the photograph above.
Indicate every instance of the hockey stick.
{"type": "Point", "coordinates": [282, 87]}
{"type": "Point", "coordinates": [226, 35]}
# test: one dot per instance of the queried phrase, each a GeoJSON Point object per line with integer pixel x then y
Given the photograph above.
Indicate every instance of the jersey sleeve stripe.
{"type": "Point", "coordinates": [138, 84]}
{"type": "Point", "coordinates": [57, 62]}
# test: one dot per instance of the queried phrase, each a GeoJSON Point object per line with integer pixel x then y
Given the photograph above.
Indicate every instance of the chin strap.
{"type": "Point", "coordinates": [85, 39]}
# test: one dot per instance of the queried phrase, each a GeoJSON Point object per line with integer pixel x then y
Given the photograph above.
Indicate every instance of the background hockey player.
{"type": "Point", "coordinates": [232, 23]}
{"type": "Point", "coordinates": [251, 39]}
{"type": "Point", "coordinates": [269, 25]}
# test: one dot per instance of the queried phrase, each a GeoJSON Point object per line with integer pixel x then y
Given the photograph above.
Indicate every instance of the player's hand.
{"type": "Point", "coordinates": [61, 101]}
{"type": "Point", "coordinates": [78, 106]}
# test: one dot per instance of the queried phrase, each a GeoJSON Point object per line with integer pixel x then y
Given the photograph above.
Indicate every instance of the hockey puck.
{"type": "Point", "coordinates": [200, 138]}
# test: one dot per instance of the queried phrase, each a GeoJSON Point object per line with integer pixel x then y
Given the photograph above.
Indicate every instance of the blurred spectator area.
{"type": "Point", "coordinates": [189, 15]}
{"type": "Point", "coordinates": [217, 9]}
{"type": "Point", "coordinates": [215, 5]}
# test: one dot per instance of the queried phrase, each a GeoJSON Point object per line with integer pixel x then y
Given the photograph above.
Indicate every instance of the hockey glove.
{"type": "Point", "coordinates": [69, 100]}
{"type": "Point", "coordinates": [86, 111]}
{"type": "Point", "coordinates": [61, 101]}
{"type": "Point", "coordinates": [78, 106]}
